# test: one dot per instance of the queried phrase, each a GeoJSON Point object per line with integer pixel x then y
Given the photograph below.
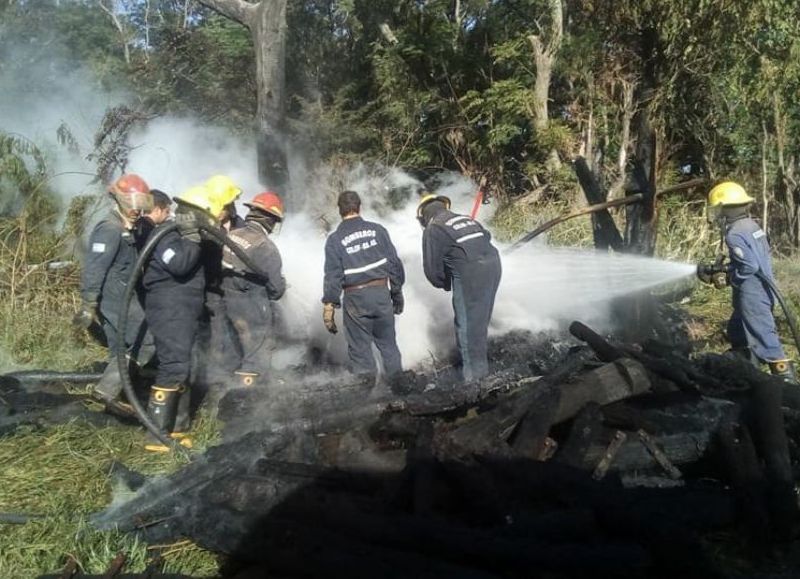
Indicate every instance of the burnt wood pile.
{"type": "Point", "coordinates": [619, 460]}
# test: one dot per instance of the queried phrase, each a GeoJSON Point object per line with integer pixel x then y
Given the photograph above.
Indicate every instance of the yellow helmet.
{"type": "Point", "coordinates": [200, 198]}
{"type": "Point", "coordinates": [222, 190]}
{"type": "Point", "coordinates": [427, 198]}
{"type": "Point", "coordinates": [728, 193]}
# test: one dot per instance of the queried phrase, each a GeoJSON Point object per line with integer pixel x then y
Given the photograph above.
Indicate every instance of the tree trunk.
{"type": "Point", "coordinates": [544, 55]}
{"type": "Point", "coordinates": [641, 218]}
{"type": "Point", "coordinates": [267, 23]}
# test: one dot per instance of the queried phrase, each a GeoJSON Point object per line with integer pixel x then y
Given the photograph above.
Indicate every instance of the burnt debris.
{"type": "Point", "coordinates": [610, 458]}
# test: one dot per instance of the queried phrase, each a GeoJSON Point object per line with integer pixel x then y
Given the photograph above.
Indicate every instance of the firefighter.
{"type": "Point", "coordinates": [218, 339]}
{"type": "Point", "coordinates": [458, 256]}
{"type": "Point", "coordinates": [110, 259]}
{"type": "Point", "coordinates": [751, 328]}
{"type": "Point", "coordinates": [174, 284]}
{"type": "Point", "coordinates": [161, 212]}
{"type": "Point", "coordinates": [361, 263]}
{"type": "Point", "coordinates": [248, 294]}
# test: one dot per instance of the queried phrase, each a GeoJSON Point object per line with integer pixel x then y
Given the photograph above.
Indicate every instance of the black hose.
{"type": "Point", "coordinates": [784, 306]}
{"type": "Point", "coordinates": [138, 268]}
{"type": "Point", "coordinates": [26, 376]}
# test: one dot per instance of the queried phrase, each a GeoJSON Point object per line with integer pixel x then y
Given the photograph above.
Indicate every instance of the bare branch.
{"type": "Point", "coordinates": [120, 28]}
{"type": "Point", "coordinates": [238, 10]}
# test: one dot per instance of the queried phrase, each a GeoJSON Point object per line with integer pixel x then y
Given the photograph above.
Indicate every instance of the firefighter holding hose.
{"type": "Point", "coordinates": [249, 294]}
{"type": "Point", "coordinates": [174, 283]}
{"type": "Point", "coordinates": [108, 264]}
{"type": "Point", "coordinates": [751, 328]}
{"type": "Point", "coordinates": [458, 256]}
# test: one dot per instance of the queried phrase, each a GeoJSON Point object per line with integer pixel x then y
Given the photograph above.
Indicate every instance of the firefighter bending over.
{"type": "Point", "coordinates": [458, 256]}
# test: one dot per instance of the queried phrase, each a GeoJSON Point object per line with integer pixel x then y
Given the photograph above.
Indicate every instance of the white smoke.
{"type": "Point", "coordinates": [39, 97]}
{"type": "Point", "coordinates": [541, 288]}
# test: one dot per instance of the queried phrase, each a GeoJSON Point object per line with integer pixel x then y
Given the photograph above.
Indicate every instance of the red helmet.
{"type": "Point", "coordinates": [268, 202]}
{"type": "Point", "coordinates": [132, 193]}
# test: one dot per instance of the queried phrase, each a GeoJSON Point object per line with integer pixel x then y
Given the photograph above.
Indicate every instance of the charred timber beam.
{"type": "Point", "coordinates": [747, 478]}
{"type": "Point", "coordinates": [608, 456]}
{"type": "Point", "coordinates": [604, 229]}
{"type": "Point", "coordinates": [605, 351]}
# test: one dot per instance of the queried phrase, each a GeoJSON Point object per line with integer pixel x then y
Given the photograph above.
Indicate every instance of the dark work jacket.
{"type": "Point", "coordinates": [175, 267]}
{"type": "Point", "coordinates": [212, 258]}
{"type": "Point", "coordinates": [449, 242]}
{"type": "Point", "coordinates": [109, 261]}
{"type": "Point", "coordinates": [357, 252]}
{"type": "Point", "coordinates": [254, 240]}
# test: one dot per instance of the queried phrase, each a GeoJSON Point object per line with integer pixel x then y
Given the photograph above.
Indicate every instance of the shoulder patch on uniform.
{"type": "Point", "coordinates": [98, 248]}
{"type": "Point", "coordinates": [758, 234]}
{"type": "Point", "coordinates": [738, 252]}
{"type": "Point", "coordinates": [167, 256]}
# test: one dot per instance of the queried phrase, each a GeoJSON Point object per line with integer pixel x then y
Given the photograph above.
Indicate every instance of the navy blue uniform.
{"type": "Point", "coordinates": [752, 324]}
{"type": "Point", "coordinates": [458, 255]}
{"type": "Point", "coordinates": [248, 294]}
{"type": "Point", "coordinates": [174, 283]}
{"type": "Point", "coordinates": [359, 261]}
{"type": "Point", "coordinates": [107, 268]}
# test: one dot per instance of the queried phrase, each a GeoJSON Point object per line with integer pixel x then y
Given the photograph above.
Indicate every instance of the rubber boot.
{"type": "Point", "coordinates": [161, 409]}
{"type": "Point", "coordinates": [183, 418]}
{"type": "Point", "coordinates": [245, 378]}
{"type": "Point", "coordinates": [783, 369]}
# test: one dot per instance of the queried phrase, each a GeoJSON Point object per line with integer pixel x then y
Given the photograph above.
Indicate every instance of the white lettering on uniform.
{"type": "Point", "coordinates": [452, 220]}
{"type": "Point", "coordinates": [357, 235]}
{"type": "Point", "coordinates": [243, 243]}
{"type": "Point", "coordinates": [758, 234]}
{"type": "Point", "coordinates": [98, 248]}
{"type": "Point", "coordinates": [167, 256]}
{"type": "Point", "coordinates": [459, 226]}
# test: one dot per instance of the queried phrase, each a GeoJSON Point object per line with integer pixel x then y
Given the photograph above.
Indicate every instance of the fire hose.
{"type": "Point", "coordinates": [138, 268]}
{"type": "Point", "coordinates": [784, 306]}
{"type": "Point", "coordinates": [720, 268]}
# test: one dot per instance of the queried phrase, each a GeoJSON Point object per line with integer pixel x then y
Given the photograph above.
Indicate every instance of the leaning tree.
{"type": "Point", "coordinates": [266, 21]}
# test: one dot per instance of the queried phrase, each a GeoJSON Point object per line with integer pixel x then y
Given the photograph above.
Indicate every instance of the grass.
{"type": "Point", "coordinates": [62, 472]}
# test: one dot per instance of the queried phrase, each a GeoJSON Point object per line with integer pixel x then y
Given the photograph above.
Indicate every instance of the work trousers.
{"type": "Point", "coordinates": [369, 318]}
{"type": "Point", "coordinates": [474, 286]}
{"type": "Point", "coordinates": [752, 324]}
{"type": "Point", "coordinates": [173, 317]}
{"type": "Point", "coordinates": [249, 312]}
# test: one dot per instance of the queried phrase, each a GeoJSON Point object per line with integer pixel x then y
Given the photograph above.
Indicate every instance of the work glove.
{"type": "Point", "coordinates": [327, 318]}
{"type": "Point", "coordinates": [188, 221]}
{"type": "Point", "coordinates": [721, 279]}
{"type": "Point", "coordinates": [398, 302]}
{"type": "Point", "coordinates": [86, 316]}
{"type": "Point", "coordinates": [715, 274]}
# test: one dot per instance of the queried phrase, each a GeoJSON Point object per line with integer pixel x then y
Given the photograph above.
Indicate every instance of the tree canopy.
{"type": "Point", "coordinates": [457, 84]}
